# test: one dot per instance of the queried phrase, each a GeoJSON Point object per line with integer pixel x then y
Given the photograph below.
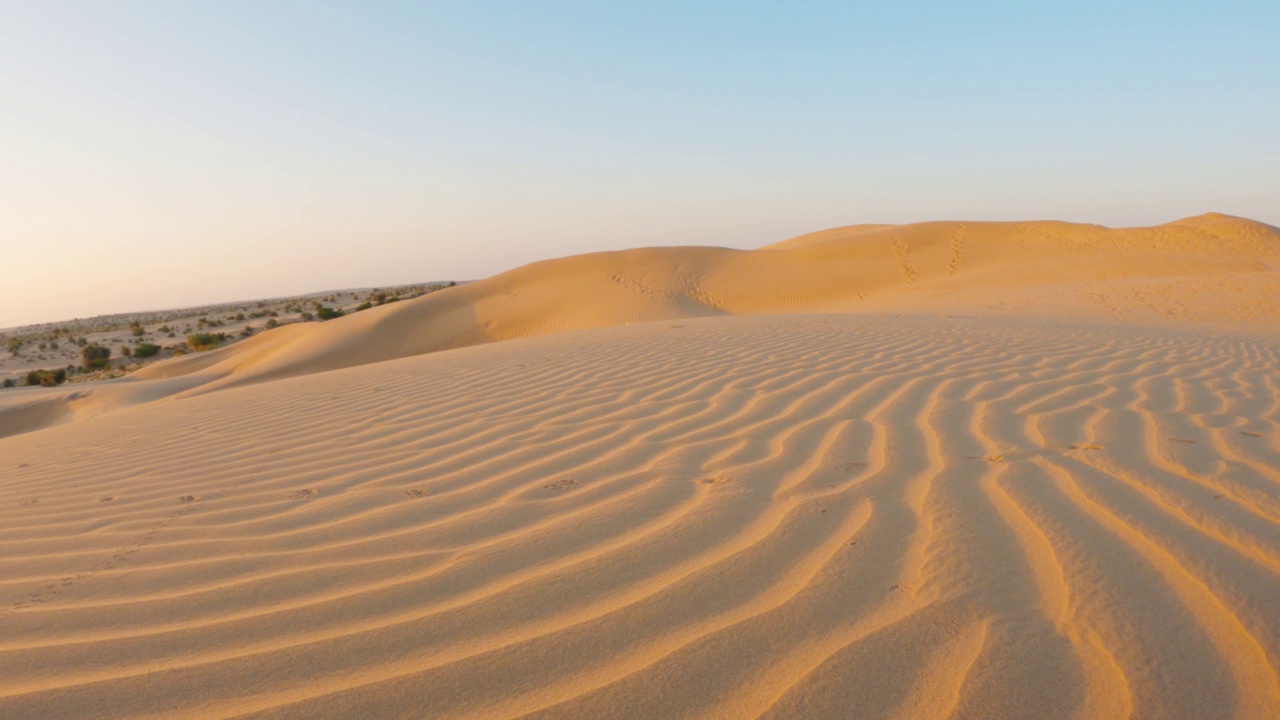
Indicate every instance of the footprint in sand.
{"type": "Point", "coordinates": [1250, 433]}
{"type": "Point", "coordinates": [305, 493]}
{"type": "Point", "coordinates": [1182, 441]}
{"type": "Point", "coordinates": [851, 466]}
{"type": "Point", "coordinates": [561, 485]}
{"type": "Point", "coordinates": [416, 492]}
{"type": "Point", "coordinates": [713, 480]}
{"type": "Point", "coordinates": [27, 503]}
{"type": "Point", "coordinates": [185, 499]}
{"type": "Point", "coordinates": [998, 457]}
{"type": "Point", "coordinates": [108, 498]}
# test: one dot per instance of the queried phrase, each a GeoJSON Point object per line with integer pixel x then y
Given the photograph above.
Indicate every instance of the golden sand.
{"type": "Point", "coordinates": [971, 470]}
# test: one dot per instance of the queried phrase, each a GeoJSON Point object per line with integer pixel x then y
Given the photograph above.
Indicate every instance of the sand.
{"type": "Point", "coordinates": [970, 470]}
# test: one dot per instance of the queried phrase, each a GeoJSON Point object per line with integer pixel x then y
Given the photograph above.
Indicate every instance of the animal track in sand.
{"type": "Point", "coordinates": [997, 457]}
{"type": "Point", "coordinates": [108, 498]}
{"type": "Point", "coordinates": [900, 249]}
{"type": "Point", "coordinates": [305, 493]}
{"type": "Point", "coordinates": [189, 499]}
{"type": "Point", "coordinates": [850, 466]}
{"type": "Point", "coordinates": [1250, 433]}
{"type": "Point", "coordinates": [561, 484]}
{"type": "Point", "coordinates": [957, 249]}
{"type": "Point", "coordinates": [1182, 441]}
{"type": "Point", "coordinates": [1085, 446]}
{"type": "Point", "coordinates": [417, 492]}
{"type": "Point", "coordinates": [713, 480]}
{"type": "Point", "coordinates": [28, 503]}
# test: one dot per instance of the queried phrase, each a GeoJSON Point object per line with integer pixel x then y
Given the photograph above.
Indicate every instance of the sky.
{"type": "Point", "coordinates": [162, 154]}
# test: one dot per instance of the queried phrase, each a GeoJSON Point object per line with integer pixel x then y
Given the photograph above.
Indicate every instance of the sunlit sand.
{"type": "Point", "coordinates": [953, 469]}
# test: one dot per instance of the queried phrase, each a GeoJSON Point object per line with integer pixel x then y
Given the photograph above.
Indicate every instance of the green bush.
{"type": "Point", "coordinates": [95, 357]}
{"type": "Point", "coordinates": [136, 330]}
{"type": "Point", "coordinates": [47, 378]}
{"type": "Point", "coordinates": [8, 382]}
{"type": "Point", "coordinates": [328, 313]}
{"type": "Point", "coordinates": [364, 306]}
{"type": "Point", "coordinates": [204, 341]}
{"type": "Point", "coordinates": [145, 350]}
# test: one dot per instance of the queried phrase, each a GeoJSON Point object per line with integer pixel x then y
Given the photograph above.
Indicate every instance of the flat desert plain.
{"type": "Point", "coordinates": [945, 470]}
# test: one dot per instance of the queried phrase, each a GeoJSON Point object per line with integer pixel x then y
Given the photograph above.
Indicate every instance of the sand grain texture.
{"type": "Point", "coordinates": [948, 470]}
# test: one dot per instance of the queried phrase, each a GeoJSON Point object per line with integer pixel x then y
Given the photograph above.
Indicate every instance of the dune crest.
{"type": "Point", "coordinates": [1071, 271]}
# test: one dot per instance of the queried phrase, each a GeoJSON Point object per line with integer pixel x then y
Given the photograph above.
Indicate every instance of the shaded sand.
{"type": "Point", "coordinates": [1046, 510]}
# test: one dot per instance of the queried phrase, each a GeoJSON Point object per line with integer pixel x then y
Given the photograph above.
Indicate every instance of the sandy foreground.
{"type": "Point", "coordinates": [972, 470]}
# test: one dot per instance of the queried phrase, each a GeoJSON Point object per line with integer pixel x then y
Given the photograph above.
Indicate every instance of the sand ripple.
{"type": "Point", "coordinates": [786, 516]}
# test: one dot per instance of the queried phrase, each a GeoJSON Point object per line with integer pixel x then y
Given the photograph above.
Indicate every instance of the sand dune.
{"type": "Point", "coordinates": [1208, 271]}
{"type": "Point", "coordinates": [942, 470]}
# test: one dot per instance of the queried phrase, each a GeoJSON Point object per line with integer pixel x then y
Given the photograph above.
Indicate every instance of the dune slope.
{"type": "Point", "coordinates": [803, 516]}
{"type": "Point", "coordinates": [948, 470]}
{"type": "Point", "coordinates": [1211, 271]}
{"type": "Point", "coordinates": [1208, 270]}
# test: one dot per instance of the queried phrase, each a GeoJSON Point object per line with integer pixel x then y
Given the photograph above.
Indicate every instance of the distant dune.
{"type": "Point", "coordinates": [1203, 271]}
{"type": "Point", "coordinates": [951, 469]}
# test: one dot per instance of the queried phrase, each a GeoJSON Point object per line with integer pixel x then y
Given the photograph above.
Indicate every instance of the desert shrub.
{"type": "Point", "coordinates": [125, 351]}
{"type": "Point", "coordinates": [95, 357]}
{"type": "Point", "coordinates": [145, 350]}
{"type": "Point", "coordinates": [364, 306]}
{"type": "Point", "coordinates": [204, 341]}
{"type": "Point", "coordinates": [308, 317]}
{"type": "Point", "coordinates": [14, 345]}
{"type": "Point", "coordinates": [328, 313]}
{"type": "Point", "coordinates": [247, 331]}
{"type": "Point", "coordinates": [136, 330]}
{"type": "Point", "coordinates": [8, 382]}
{"type": "Point", "coordinates": [47, 378]}
{"type": "Point", "coordinates": [53, 345]}
{"type": "Point", "coordinates": [272, 323]}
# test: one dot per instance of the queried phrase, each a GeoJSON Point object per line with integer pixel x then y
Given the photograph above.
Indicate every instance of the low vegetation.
{"type": "Point", "coordinates": [45, 378]}
{"type": "Point", "coordinates": [95, 357]}
{"type": "Point", "coordinates": [112, 345]}
{"type": "Point", "coordinates": [204, 341]}
{"type": "Point", "coordinates": [146, 350]}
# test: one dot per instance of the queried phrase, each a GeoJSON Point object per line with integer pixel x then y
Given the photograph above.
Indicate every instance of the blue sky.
{"type": "Point", "coordinates": [164, 154]}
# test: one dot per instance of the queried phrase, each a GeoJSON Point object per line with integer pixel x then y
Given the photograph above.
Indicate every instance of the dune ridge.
{"type": "Point", "coordinates": [957, 266]}
{"type": "Point", "coordinates": [1207, 271]}
{"type": "Point", "coordinates": [960, 491]}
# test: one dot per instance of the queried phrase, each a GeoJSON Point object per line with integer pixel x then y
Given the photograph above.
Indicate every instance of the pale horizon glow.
{"type": "Point", "coordinates": [157, 155]}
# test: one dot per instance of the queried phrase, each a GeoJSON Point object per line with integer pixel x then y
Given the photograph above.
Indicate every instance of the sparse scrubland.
{"type": "Point", "coordinates": [141, 338]}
